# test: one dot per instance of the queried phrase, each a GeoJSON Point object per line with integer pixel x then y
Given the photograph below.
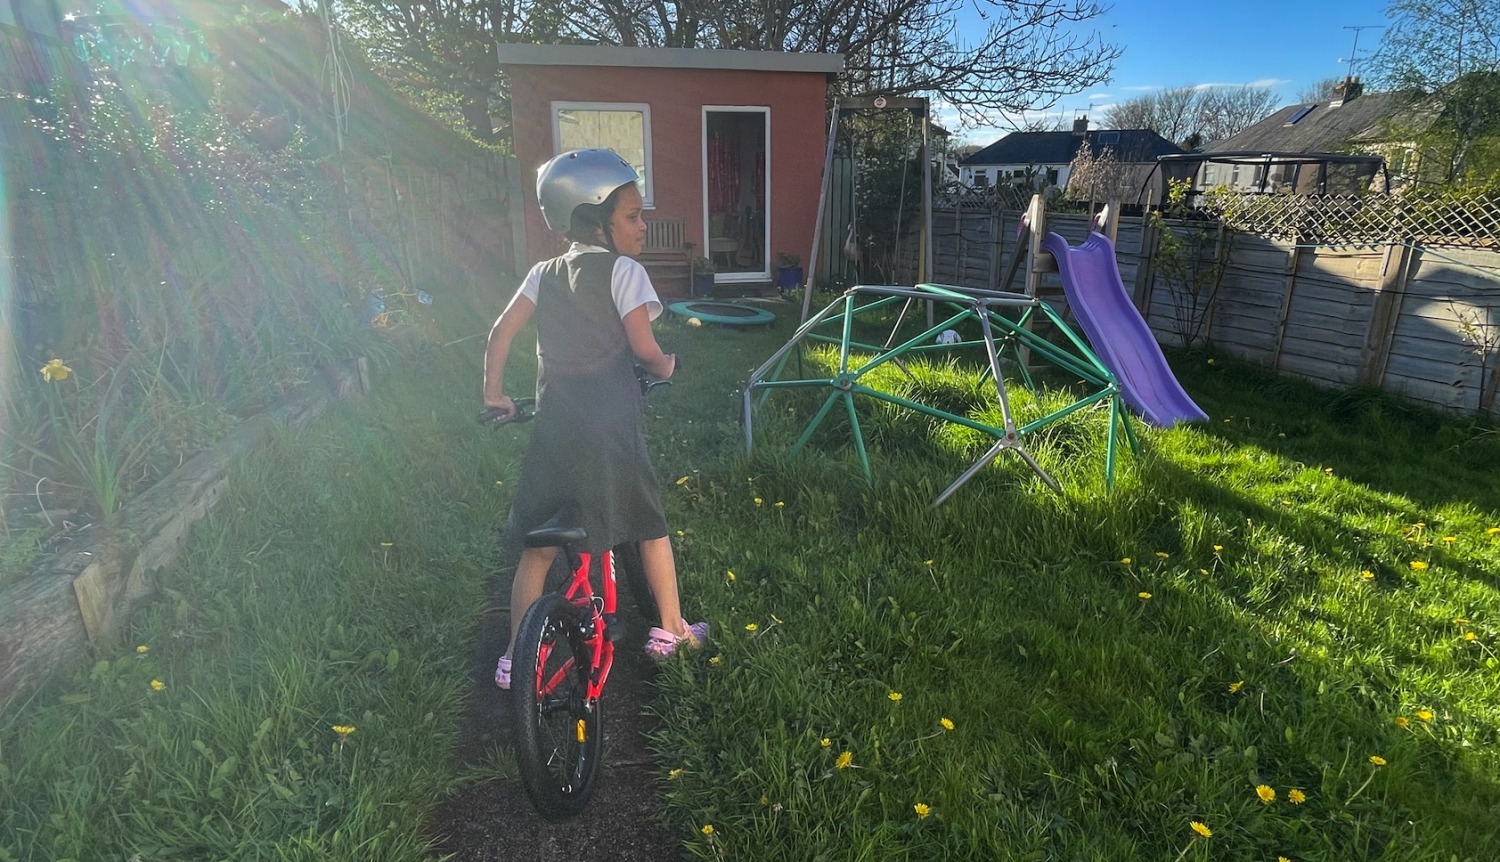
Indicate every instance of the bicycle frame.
{"type": "Point", "coordinates": [599, 612]}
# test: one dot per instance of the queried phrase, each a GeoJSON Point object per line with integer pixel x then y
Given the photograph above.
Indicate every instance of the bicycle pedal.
{"type": "Point", "coordinates": [613, 628]}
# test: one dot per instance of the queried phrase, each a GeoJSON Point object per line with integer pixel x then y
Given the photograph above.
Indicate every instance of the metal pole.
{"type": "Point", "coordinates": [812, 256]}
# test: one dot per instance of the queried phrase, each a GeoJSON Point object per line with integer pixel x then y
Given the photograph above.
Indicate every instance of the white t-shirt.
{"type": "Point", "coordinates": [628, 281]}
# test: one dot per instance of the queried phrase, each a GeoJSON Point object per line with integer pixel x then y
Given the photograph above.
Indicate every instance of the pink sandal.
{"type": "Point", "coordinates": [662, 644]}
{"type": "Point", "coordinates": [502, 672]}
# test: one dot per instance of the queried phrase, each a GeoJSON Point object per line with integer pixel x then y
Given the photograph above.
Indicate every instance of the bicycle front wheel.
{"type": "Point", "coordinates": [559, 738]}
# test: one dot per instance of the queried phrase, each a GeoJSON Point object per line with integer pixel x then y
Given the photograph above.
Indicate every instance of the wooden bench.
{"type": "Point", "coordinates": [667, 257]}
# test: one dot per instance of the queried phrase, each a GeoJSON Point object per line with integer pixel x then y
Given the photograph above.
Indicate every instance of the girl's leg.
{"type": "Point", "coordinates": [531, 577]}
{"type": "Point", "coordinates": [660, 570]}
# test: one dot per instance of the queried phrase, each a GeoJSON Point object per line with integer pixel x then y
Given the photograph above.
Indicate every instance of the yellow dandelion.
{"type": "Point", "coordinates": [683, 480]}
{"type": "Point", "coordinates": [1282, 859]}
{"type": "Point", "coordinates": [1377, 760]}
{"type": "Point", "coordinates": [343, 730]}
{"type": "Point", "coordinates": [1266, 793]}
{"type": "Point", "coordinates": [1469, 636]}
{"type": "Point", "coordinates": [1162, 555]}
{"type": "Point", "coordinates": [1202, 829]}
{"type": "Point", "coordinates": [751, 627]}
{"type": "Point", "coordinates": [142, 649]}
{"type": "Point", "coordinates": [922, 810]}
{"type": "Point", "coordinates": [927, 563]}
{"type": "Point", "coordinates": [1450, 539]}
{"type": "Point", "coordinates": [158, 685]}
{"type": "Point", "coordinates": [1218, 548]}
{"type": "Point", "coordinates": [1145, 596]}
{"type": "Point", "coordinates": [1492, 531]}
{"type": "Point", "coordinates": [825, 742]}
{"type": "Point", "coordinates": [758, 501]}
{"type": "Point", "coordinates": [1286, 502]}
{"type": "Point", "coordinates": [708, 829]}
{"type": "Point", "coordinates": [764, 800]}
{"type": "Point", "coordinates": [1460, 621]}
{"type": "Point", "coordinates": [55, 370]}
{"type": "Point", "coordinates": [895, 696]}
{"type": "Point", "coordinates": [387, 545]}
{"type": "Point", "coordinates": [1235, 686]}
{"type": "Point", "coordinates": [846, 759]}
{"type": "Point", "coordinates": [946, 722]}
{"type": "Point", "coordinates": [780, 504]}
{"type": "Point", "coordinates": [1296, 796]}
{"type": "Point", "coordinates": [716, 660]}
{"type": "Point", "coordinates": [674, 775]}
{"type": "Point", "coordinates": [1402, 721]}
{"type": "Point", "coordinates": [1367, 574]}
{"type": "Point", "coordinates": [1418, 566]}
{"type": "Point", "coordinates": [1328, 470]}
{"type": "Point", "coordinates": [681, 533]}
{"type": "Point", "coordinates": [1125, 561]}
{"type": "Point", "coordinates": [729, 575]}
{"type": "Point", "coordinates": [1203, 571]}
{"type": "Point", "coordinates": [1424, 715]}
{"type": "Point", "coordinates": [1210, 360]}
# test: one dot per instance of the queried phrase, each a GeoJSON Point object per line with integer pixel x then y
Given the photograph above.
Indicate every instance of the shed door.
{"type": "Point", "coordinates": [736, 191]}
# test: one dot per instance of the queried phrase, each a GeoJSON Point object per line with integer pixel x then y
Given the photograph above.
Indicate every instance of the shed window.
{"type": "Point", "coordinates": [622, 127]}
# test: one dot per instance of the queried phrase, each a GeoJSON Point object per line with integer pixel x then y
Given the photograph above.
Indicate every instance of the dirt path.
{"type": "Point", "coordinates": [493, 821]}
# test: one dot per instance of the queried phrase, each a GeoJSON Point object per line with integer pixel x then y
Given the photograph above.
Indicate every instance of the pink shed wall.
{"type": "Point", "coordinates": [677, 96]}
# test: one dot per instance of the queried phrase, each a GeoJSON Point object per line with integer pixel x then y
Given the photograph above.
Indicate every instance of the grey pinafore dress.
{"type": "Point", "coordinates": [587, 457]}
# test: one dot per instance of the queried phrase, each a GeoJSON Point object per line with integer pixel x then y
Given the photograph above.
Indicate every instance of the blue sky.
{"type": "Point", "coordinates": [1284, 44]}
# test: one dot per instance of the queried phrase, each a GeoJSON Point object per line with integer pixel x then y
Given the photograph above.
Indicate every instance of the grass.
{"type": "Point", "coordinates": [996, 679]}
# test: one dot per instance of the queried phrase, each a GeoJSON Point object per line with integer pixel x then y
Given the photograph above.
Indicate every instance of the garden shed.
{"type": "Point", "coordinates": [729, 144]}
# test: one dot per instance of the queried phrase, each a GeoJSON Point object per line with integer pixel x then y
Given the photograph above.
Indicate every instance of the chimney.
{"type": "Point", "coordinates": [1346, 90]}
{"type": "Point", "coordinates": [1080, 126]}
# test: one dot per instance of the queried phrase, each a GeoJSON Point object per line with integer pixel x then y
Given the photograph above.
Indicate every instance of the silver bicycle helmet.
{"type": "Point", "coordinates": [579, 177]}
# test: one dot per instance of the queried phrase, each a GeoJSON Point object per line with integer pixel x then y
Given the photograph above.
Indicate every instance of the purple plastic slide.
{"type": "Point", "coordinates": [1119, 335]}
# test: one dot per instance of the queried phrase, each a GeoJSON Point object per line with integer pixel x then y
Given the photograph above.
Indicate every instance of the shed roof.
{"type": "Point", "coordinates": [1059, 148]}
{"type": "Point", "coordinates": [1323, 128]}
{"type": "Point", "coordinates": [668, 58]}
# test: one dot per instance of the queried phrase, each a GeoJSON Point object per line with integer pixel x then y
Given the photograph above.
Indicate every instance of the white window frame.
{"type": "Point", "coordinates": [648, 193]}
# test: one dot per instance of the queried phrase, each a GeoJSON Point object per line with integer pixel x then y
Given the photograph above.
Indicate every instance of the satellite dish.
{"type": "Point", "coordinates": [880, 101]}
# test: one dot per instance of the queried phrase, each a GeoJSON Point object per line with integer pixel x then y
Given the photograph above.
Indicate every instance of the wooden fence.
{"type": "Point", "coordinates": [1415, 318]}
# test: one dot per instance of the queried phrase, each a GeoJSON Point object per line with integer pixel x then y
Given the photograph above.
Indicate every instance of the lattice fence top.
{"type": "Point", "coordinates": [1453, 220]}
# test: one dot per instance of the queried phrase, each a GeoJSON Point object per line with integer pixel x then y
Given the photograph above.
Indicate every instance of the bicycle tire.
{"type": "Point", "coordinates": [558, 769]}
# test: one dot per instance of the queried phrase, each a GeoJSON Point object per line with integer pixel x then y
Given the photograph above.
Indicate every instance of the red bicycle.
{"type": "Point", "coordinates": [561, 660]}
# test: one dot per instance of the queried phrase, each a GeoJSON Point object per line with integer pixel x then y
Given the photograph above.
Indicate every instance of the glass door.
{"type": "Point", "coordinates": [736, 191]}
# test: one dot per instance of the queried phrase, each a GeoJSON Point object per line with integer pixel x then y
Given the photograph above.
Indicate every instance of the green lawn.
{"type": "Point", "coordinates": [1268, 600]}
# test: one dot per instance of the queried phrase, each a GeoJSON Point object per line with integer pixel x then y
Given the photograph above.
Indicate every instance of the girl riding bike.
{"type": "Point", "coordinates": [587, 456]}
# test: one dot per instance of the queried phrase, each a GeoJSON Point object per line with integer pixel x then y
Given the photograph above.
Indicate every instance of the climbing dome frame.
{"type": "Point", "coordinates": [1006, 323]}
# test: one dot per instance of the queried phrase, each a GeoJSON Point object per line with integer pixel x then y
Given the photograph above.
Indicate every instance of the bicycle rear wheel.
{"type": "Point", "coordinates": [559, 737]}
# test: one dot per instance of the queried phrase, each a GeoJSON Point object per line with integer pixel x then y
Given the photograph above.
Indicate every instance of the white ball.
{"type": "Point", "coordinates": [693, 321]}
{"type": "Point", "coordinates": [949, 336]}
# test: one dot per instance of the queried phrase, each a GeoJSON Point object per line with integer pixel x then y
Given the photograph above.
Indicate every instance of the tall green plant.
{"type": "Point", "coordinates": [1189, 258]}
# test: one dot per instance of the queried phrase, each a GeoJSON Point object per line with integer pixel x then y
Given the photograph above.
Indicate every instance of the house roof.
{"type": "Point", "coordinates": [1059, 148]}
{"type": "Point", "coordinates": [1320, 127]}
{"type": "Point", "coordinates": [513, 54]}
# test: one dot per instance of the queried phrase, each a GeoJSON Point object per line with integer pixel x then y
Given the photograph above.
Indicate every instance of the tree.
{"type": "Point", "coordinates": [1449, 49]}
{"type": "Point", "coordinates": [1098, 176]}
{"type": "Point", "coordinates": [1030, 54]}
{"type": "Point", "coordinates": [1320, 90]}
{"type": "Point", "coordinates": [1191, 115]}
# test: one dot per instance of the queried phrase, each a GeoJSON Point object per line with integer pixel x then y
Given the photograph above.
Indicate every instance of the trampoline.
{"type": "Point", "coordinates": [725, 313]}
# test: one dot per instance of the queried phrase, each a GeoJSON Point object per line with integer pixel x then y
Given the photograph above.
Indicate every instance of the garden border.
{"type": "Point", "coordinates": [84, 594]}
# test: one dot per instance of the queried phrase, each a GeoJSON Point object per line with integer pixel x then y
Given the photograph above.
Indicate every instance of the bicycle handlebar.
{"type": "Point", "coordinates": [526, 407]}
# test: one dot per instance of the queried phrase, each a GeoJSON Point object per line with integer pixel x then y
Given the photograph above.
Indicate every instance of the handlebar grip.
{"type": "Point", "coordinates": [524, 413]}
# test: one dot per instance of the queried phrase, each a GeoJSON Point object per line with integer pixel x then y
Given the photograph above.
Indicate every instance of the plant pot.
{"type": "Point", "coordinates": [789, 277]}
{"type": "Point", "coordinates": [703, 284]}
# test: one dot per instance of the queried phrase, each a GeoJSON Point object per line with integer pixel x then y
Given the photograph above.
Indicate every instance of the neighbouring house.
{"type": "Point", "coordinates": [1338, 145]}
{"type": "Point", "coordinates": [729, 145]}
{"type": "Point", "coordinates": [1043, 159]}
